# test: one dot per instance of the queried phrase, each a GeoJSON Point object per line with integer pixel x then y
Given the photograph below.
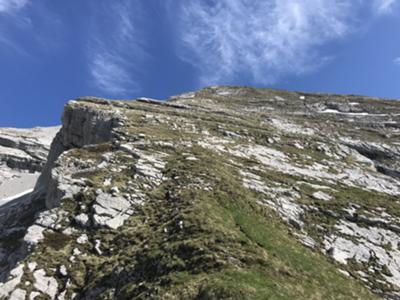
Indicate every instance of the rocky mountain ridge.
{"type": "Point", "coordinates": [227, 192]}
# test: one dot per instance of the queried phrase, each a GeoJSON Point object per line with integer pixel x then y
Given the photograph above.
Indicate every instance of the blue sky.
{"type": "Point", "coordinates": [53, 50]}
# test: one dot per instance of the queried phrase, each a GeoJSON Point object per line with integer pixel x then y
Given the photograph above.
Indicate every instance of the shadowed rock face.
{"type": "Point", "coordinates": [23, 154]}
{"type": "Point", "coordinates": [223, 193]}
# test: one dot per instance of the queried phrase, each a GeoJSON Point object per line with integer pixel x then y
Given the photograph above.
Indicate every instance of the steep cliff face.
{"type": "Point", "coordinates": [227, 192]}
{"type": "Point", "coordinates": [82, 125]}
{"type": "Point", "coordinates": [23, 154]}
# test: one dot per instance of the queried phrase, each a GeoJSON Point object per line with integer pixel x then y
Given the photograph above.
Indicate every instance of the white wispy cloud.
{"type": "Point", "coordinates": [23, 22]}
{"type": "Point", "coordinates": [9, 6]}
{"type": "Point", "coordinates": [9, 9]}
{"type": "Point", "coordinates": [9, 44]}
{"type": "Point", "coordinates": [110, 74]}
{"type": "Point", "coordinates": [117, 50]}
{"type": "Point", "coordinates": [263, 39]}
{"type": "Point", "coordinates": [396, 61]}
{"type": "Point", "coordinates": [384, 6]}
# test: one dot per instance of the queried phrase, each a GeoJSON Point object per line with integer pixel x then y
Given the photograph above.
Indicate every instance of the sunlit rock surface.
{"type": "Point", "coordinates": [23, 153]}
{"type": "Point", "coordinates": [223, 193]}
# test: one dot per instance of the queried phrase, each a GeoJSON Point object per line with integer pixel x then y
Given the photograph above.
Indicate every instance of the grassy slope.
{"type": "Point", "coordinates": [259, 260]}
{"type": "Point", "coordinates": [228, 246]}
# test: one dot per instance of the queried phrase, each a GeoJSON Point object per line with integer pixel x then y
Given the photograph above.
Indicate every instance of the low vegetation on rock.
{"type": "Point", "coordinates": [223, 193]}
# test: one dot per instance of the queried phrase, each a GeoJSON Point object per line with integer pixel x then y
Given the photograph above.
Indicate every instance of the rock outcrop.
{"type": "Point", "coordinates": [23, 154]}
{"type": "Point", "coordinates": [224, 193]}
{"type": "Point", "coordinates": [82, 125]}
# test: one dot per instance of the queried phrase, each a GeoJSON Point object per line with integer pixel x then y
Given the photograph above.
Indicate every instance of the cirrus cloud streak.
{"type": "Point", "coordinates": [265, 40]}
{"type": "Point", "coordinates": [116, 50]}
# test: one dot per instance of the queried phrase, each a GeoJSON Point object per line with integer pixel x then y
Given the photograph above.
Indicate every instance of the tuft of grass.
{"type": "Point", "coordinates": [56, 240]}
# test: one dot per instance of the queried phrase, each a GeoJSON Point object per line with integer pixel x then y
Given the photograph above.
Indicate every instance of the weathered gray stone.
{"type": "Point", "coordinates": [34, 235]}
{"type": "Point", "coordinates": [112, 203]}
{"type": "Point", "coordinates": [32, 266]}
{"type": "Point", "coordinates": [15, 278]}
{"type": "Point", "coordinates": [82, 239]}
{"type": "Point", "coordinates": [82, 220]}
{"type": "Point", "coordinates": [45, 284]}
{"type": "Point", "coordinates": [34, 295]}
{"type": "Point", "coordinates": [321, 196]}
{"type": "Point", "coordinates": [24, 149]}
{"type": "Point", "coordinates": [306, 241]}
{"type": "Point", "coordinates": [97, 247]}
{"type": "Point", "coordinates": [63, 270]}
{"type": "Point", "coordinates": [18, 294]}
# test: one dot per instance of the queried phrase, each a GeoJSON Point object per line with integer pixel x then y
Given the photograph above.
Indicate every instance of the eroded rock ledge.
{"type": "Point", "coordinates": [23, 153]}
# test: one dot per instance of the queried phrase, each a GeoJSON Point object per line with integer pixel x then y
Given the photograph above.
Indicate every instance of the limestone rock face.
{"type": "Point", "coordinates": [23, 154]}
{"type": "Point", "coordinates": [223, 193]}
{"type": "Point", "coordinates": [82, 125]}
